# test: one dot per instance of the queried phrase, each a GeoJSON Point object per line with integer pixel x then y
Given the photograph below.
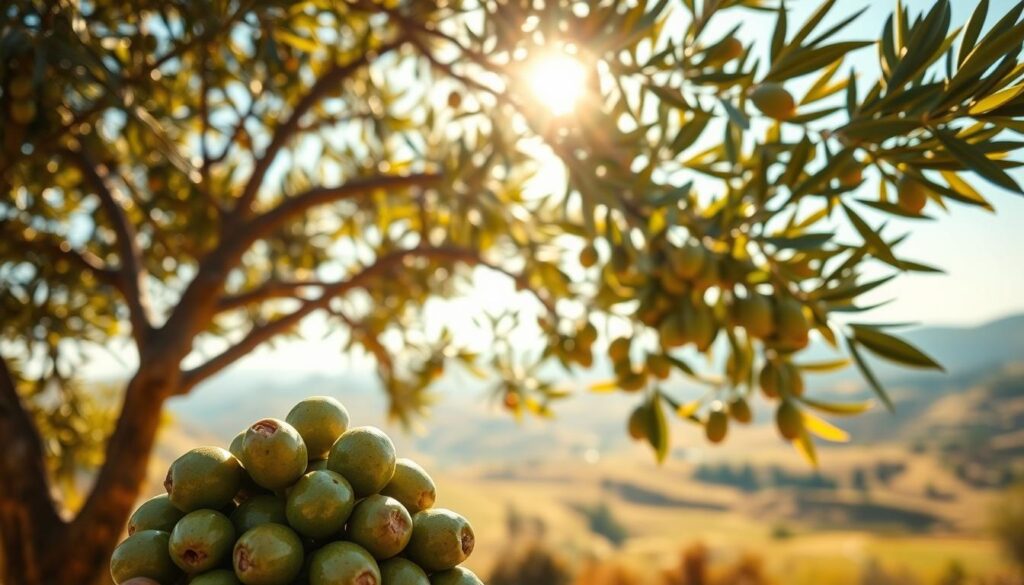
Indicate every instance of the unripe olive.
{"type": "Point", "coordinates": [722, 52]}
{"type": "Point", "coordinates": [851, 175]}
{"type": "Point", "coordinates": [791, 324]}
{"type": "Point", "coordinates": [770, 380]}
{"type": "Point", "coordinates": [618, 350]}
{"type": "Point", "coordinates": [671, 282]}
{"type": "Point", "coordinates": [717, 426]}
{"type": "Point", "coordinates": [789, 420]}
{"type": "Point", "coordinates": [582, 356]}
{"type": "Point", "coordinates": [620, 260]}
{"type": "Point", "coordinates": [729, 49]}
{"type": "Point", "coordinates": [912, 195]}
{"type": "Point", "coordinates": [659, 366]}
{"type": "Point", "coordinates": [739, 410]}
{"type": "Point", "coordinates": [710, 274]}
{"type": "Point", "coordinates": [649, 314]}
{"type": "Point", "coordinates": [637, 425]}
{"type": "Point", "coordinates": [454, 99]}
{"type": "Point", "coordinates": [773, 100]}
{"type": "Point", "coordinates": [634, 380]}
{"type": "Point", "coordinates": [588, 256]}
{"type": "Point", "coordinates": [673, 330]}
{"type": "Point", "coordinates": [792, 379]}
{"type": "Point", "coordinates": [755, 315]}
{"type": "Point", "coordinates": [688, 261]}
{"type": "Point", "coordinates": [705, 328]}
{"type": "Point", "coordinates": [587, 335]}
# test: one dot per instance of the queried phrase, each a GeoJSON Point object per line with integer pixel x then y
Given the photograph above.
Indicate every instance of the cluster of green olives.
{"type": "Point", "coordinates": [306, 500]}
{"type": "Point", "coordinates": [670, 282]}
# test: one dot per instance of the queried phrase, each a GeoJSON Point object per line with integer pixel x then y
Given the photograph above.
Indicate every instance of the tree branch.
{"type": "Point", "coordinates": [199, 303]}
{"type": "Point", "coordinates": [262, 333]}
{"type": "Point", "coordinates": [290, 126]}
{"type": "Point", "coordinates": [273, 289]}
{"type": "Point", "coordinates": [55, 247]}
{"type": "Point", "coordinates": [362, 279]}
{"type": "Point", "coordinates": [294, 206]}
{"type": "Point", "coordinates": [131, 270]}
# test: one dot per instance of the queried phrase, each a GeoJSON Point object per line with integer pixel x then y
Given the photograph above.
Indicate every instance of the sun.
{"type": "Point", "coordinates": [558, 81]}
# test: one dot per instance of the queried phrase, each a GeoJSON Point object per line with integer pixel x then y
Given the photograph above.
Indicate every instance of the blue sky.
{"type": "Point", "coordinates": [981, 252]}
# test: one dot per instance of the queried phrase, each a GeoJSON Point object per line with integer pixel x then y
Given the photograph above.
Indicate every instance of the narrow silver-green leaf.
{"type": "Point", "coordinates": [893, 348]}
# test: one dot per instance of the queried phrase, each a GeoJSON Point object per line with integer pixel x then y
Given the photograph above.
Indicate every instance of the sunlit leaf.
{"type": "Point", "coordinates": [823, 429]}
{"type": "Point", "coordinates": [892, 348]}
{"type": "Point", "coordinates": [869, 375]}
{"type": "Point", "coordinates": [805, 447]}
{"type": "Point", "coordinates": [839, 409]}
{"type": "Point", "coordinates": [827, 366]}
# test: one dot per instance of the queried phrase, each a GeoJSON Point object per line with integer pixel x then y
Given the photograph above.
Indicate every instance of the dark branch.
{"type": "Point", "coordinates": [274, 289]}
{"type": "Point", "coordinates": [54, 248]}
{"type": "Point", "coordinates": [362, 279]}
{"type": "Point", "coordinates": [199, 303]}
{"type": "Point", "coordinates": [288, 129]}
{"type": "Point", "coordinates": [258, 335]}
{"type": "Point", "coordinates": [131, 271]}
{"type": "Point", "coordinates": [293, 207]}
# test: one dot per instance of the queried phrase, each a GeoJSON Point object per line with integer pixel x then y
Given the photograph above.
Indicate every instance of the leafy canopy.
{"type": "Point", "coordinates": [193, 175]}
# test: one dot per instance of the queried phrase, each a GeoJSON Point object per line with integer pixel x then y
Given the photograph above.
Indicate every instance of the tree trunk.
{"type": "Point", "coordinates": [27, 515]}
{"type": "Point", "coordinates": [41, 549]}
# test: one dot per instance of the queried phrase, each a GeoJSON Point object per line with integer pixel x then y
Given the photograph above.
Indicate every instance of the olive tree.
{"type": "Point", "coordinates": [194, 179]}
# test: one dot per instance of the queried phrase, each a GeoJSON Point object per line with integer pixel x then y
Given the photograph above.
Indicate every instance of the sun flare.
{"type": "Point", "coordinates": [558, 81]}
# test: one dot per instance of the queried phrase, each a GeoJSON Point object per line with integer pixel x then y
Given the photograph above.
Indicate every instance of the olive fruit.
{"type": "Point", "coordinates": [399, 571]}
{"type": "Point", "coordinates": [912, 195]}
{"type": "Point", "coordinates": [659, 366]}
{"type": "Point", "coordinates": [441, 539]}
{"type": "Point", "coordinates": [269, 554]}
{"type": "Point", "coordinates": [773, 100]}
{"type": "Point", "coordinates": [205, 477]}
{"type": "Point", "coordinates": [144, 554]}
{"type": "Point", "coordinates": [201, 540]}
{"type": "Point", "coordinates": [456, 576]}
{"type": "Point", "coordinates": [412, 486]}
{"type": "Point", "coordinates": [792, 325]}
{"type": "Point", "coordinates": [754, 313]}
{"type": "Point", "coordinates": [618, 349]}
{"type": "Point", "coordinates": [155, 514]}
{"type": "Point", "coordinates": [320, 420]}
{"type": "Point", "coordinates": [260, 509]}
{"type": "Point", "coordinates": [381, 525]}
{"type": "Point", "coordinates": [216, 577]}
{"type": "Point", "coordinates": [788, 420]}
{"type": "Point", "coordinates": [688, 261]}
{"type": "Point", "coordinates": [319, 504]}
{"type": "Point", "coordinates": [588, 256]}
{"type": "Point", "coordinates": [770, 380]}
{"type": "Point", "coordinates": [343, 563]}
{"type": "Point", "coordinates": [637, 425]}
{"type": "Point", "coordinates": [365, 456]}
{"type": "Point", "coordinates": [274, 453]}
{"type": "Point", "coordinates": [739, 410]}
{"type": "Point", "coordinates": [716, 426]}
